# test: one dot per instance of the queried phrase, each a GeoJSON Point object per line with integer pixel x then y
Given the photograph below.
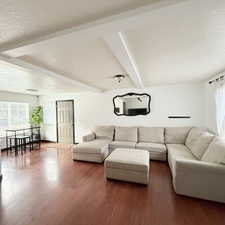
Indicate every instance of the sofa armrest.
{"type": "Point", "coordinates": [200, 179]}
{"type": "Point", "coordinates": [89, 137]}
{"type": "Point", "coordinates": [199, 167]}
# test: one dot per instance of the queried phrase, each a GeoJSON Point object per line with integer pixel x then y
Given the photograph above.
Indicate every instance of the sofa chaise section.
{"type": "Point", "coordinates": [95, 146]}
{"type": "Point", "coordinates": [92, 151]}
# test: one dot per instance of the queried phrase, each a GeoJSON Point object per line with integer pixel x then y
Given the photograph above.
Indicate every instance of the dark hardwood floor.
{"type": "Point", "coordinates": [47, 188]}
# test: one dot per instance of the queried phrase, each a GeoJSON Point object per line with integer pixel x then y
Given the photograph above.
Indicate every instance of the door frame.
{"type": "Point", "coordinates": [56, 107]}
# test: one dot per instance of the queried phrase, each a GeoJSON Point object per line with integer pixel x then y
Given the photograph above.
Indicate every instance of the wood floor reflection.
{"type": "Point", "coordinates": [47, 188]}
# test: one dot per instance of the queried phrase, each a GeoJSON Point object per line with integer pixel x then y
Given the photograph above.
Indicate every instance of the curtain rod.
{"type": "Point", "coordinates": [217, 79]}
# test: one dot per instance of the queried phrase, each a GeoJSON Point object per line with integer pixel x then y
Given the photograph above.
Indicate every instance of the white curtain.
{"type": "Point", "coordinates": [220, 107]}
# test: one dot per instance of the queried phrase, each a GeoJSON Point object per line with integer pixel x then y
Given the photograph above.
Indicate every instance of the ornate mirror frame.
{"type": "Point", "coordinates": [131, 94]}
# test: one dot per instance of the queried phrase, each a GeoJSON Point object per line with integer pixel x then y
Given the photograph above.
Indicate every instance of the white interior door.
{"type": "Point", "coordinates": [65, 121]}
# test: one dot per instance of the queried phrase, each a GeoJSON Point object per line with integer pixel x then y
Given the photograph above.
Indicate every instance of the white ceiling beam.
{"type": "Point", "coordinates": [119, 46]}
{"type": "Point", "coordinates": [28, 66]}
{"type": "Point", "coordinates": [100, 27]}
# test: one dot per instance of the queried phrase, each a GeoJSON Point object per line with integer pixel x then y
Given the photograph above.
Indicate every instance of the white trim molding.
{"type": "Point", "coordinates": [119, 46]}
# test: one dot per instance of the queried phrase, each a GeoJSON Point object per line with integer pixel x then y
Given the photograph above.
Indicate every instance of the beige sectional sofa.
{"type": "Point", "coordinates": [95, 145]}
{"type": "Point", "coordinates": [195, 156]}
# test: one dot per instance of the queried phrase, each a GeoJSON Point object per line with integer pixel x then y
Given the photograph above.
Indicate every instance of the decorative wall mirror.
{"type": "Point", "coordinates": [132, 104]}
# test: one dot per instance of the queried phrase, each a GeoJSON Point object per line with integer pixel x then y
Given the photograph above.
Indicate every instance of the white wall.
{"type": "Point", "coordinates": [97, 108]}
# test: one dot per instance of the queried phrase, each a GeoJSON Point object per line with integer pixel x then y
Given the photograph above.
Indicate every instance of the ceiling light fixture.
{"type": "Point", "coordinates": [119, 77]}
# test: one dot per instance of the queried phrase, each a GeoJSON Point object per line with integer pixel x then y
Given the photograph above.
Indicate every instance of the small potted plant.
{"type": "Point", "coordinates": [36, 117]}
{"type": "Point", "coordinates": [36, 120]}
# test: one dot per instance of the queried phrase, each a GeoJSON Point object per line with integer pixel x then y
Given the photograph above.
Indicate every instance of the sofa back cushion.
{"type": "Point", "coordinates": [193, 136]}
{"type": "Point", "coordinates": [215, 152]}
{"type": "Point", "coordinates": [151, 134]}
{"type": "Point", "coordinates": [126, 134]}
{"type": "Point", "coordinates": [200, 145]}
{"type": "Point", "coordinates": [176, 135]}
{"type": "Point", "coordinates": [104, 132]}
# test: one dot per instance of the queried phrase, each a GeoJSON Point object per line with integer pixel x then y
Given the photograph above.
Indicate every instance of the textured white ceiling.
{"type": "Point", "coordinates": [26, 19]}
{"type": "Point", "coordinates": [179, 43]}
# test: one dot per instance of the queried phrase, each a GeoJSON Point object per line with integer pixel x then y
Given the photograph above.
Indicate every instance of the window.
{"type": "Point", "coordinates": [13, 114]}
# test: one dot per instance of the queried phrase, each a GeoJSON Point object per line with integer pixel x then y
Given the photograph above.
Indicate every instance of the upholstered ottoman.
{"type": "Point", "coordinates": [128, 165]}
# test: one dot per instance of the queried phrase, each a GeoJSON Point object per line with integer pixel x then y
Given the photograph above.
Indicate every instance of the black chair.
{"type": "Point", "coordinates": [19, 143]}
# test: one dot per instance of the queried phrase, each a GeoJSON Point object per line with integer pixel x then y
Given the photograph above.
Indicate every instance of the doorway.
{"type": "Point", "coordinates": [65, 121]}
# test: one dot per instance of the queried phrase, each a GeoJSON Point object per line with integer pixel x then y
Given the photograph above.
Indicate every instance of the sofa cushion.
{"type": "Point", "coordinates": [215, 152]}
{"type": "Point", "coordinates": [157, 151]}
{"type": "Point", "coordinates": [178, 152]}
{"type": "Point", "coordinates": [128, 159]}
{"type": "Point", "coordinates": [151, 134]}
{"type": "Point", "coordinates": [151, 147]}
{"type": "Point", "coordinates": [104, 132]}
{"type": "Point", "coordinates": [95, 146]}
{"type": "Point", "coordinates": [126, 134]}
{"type": "Point", "coordinates": [176, 135]}
{"type": "Point", "coordinates": [121, 144]}
{"type": "Point", "coordinates": [193, 136]}
{"type": "Point", "coordinates": [201, 144]}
